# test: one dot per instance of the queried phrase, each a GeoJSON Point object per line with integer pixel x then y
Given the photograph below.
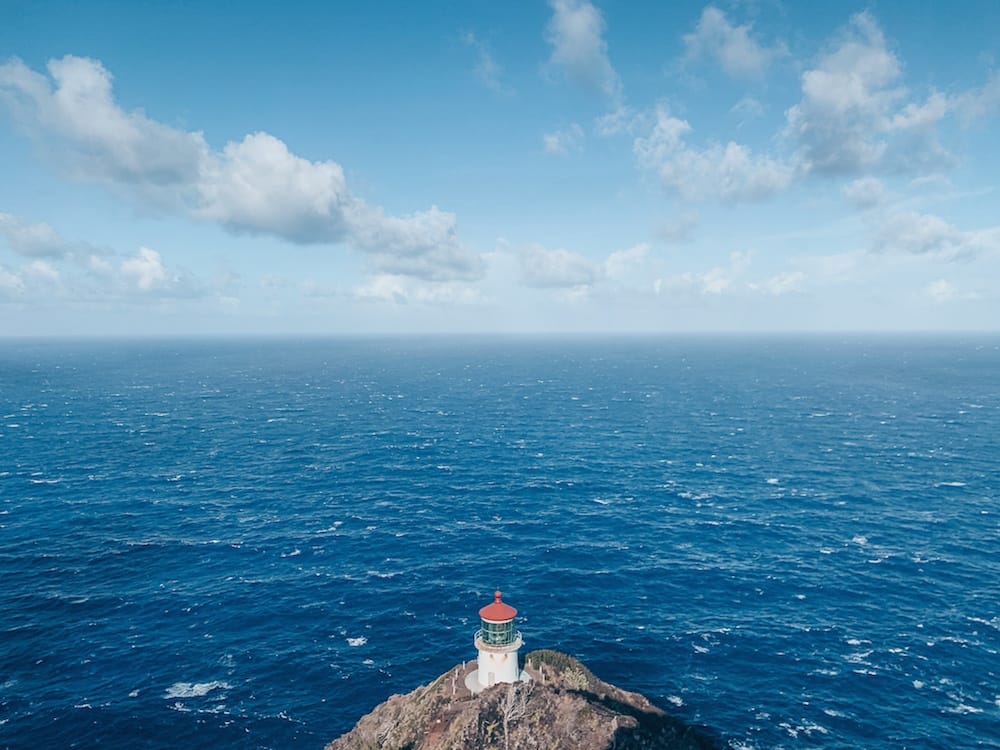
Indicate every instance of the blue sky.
{"type": "Point", "coordinates": [214, 168]}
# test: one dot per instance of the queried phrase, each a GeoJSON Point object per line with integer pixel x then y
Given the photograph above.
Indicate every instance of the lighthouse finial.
{"type": "Point", "coordinates": [496, 595]}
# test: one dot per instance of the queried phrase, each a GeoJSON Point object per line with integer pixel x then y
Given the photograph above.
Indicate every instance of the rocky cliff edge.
{"type": "Point", "coordinates": [562, 706]}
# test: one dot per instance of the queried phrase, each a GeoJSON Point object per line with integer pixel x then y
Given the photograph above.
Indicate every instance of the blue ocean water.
{"type": "Point", "coordinates": [792, 541]}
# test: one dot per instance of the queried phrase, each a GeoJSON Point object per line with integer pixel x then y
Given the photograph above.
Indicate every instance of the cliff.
{"type": "Point", "coordinates": [563, 706]}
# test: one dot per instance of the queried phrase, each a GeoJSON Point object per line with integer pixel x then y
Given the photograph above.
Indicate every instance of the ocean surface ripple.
{"type": "Point", "coordinates": [793, 541]}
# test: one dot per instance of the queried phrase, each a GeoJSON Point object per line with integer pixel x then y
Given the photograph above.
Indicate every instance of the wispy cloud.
{"type": "Point", "coordinates": [929, 235]}
{"type": "Point", "coordinates": [541, 267]}
{"type": "Point", "coordinates": [576, 34]}
{"type": "Point", "coordinates": [11, 284]}
{"type": "Point", "coordinates": [980, 102]}
{"type": "Point", "coordinates": [33, 239]}
{"type": "Point", "coordinates": [564, 140]}
{"type": "Point", "coordinates": [406, 290]}
{"type": "Point", "coordinates": [942, 291]}
{"type": "Point", "coordinates": [713, 282]}
{"type": "Point", "coordinates": [732, 47]}
{"type": "Point", "coordinates": [865, 193]}
{"type": "Point", "coordinates": [486, 69]}
{"type": "Point", "coordinates": [786, 282]}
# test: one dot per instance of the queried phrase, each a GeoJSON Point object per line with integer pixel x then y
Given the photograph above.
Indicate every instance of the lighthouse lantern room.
{"type": "Point", "coordinates": [497, 642]}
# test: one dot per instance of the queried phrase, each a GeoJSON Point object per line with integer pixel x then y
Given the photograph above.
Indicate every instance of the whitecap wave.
{"type": "Point", "coordinates": [964, 709]}
{"type": "Point", "coordinates": [993, 622]}
{"type": "Point", "coordinates": [359, 641]}
{"type": "Point", "coordinates": [194, 689]}
{"type": "Point", "coordinates": [861, 657]}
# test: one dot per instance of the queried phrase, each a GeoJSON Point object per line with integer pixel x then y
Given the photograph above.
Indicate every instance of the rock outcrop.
{"type": "Point", "coordinates": [563, 706]}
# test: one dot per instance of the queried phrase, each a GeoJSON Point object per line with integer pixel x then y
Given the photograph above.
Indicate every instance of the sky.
{"type": "Point", "coordinates": [187, 168]}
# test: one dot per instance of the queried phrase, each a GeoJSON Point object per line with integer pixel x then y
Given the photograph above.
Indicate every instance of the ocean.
{"type": "Point", "coordinates": [792, 541]}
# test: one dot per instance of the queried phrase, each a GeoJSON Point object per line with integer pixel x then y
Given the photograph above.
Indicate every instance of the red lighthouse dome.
{"type": "Point", "coordinates": [497, 611]}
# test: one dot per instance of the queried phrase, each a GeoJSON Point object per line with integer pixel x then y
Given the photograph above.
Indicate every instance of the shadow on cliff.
{"type": "Point", "coordinates": [653, 731]}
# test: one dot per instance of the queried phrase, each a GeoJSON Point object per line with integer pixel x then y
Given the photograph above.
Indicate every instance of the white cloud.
{"type": "Point", "coordinates": [103, 278]}
{"type": "Point", "coordinates": [866, 192]}
{"type": "Point", "coordinates": [941, 291]}
{"type": "Point", "coordinates": [405, 290]}
{"type": "Point", "coordinates": [35, 240]}
{"type": "Point", "coordinates": [42, 270]}
{"type": "Point", "coordinates": [99, 266]}
{"type": "Point", "coordinates": [783, 283]}
{"type": "Point", "coordinates": [979, 102]}
{"type": "Point", "coordinates": [259, 186]}
{"type": "Point", "coordinates": [576, 33]}
{"type": "Point", "coordinates": [563, 141]}
{"type": "Point", "coordinates": [712, 282]}
{"type": "Point", "coordinates": [747, 108]}
{"type": "Point", "coordinates": [256, 185]}
{"type": "Point", "coordinates": [145, 270]}
{"type": "Point", "coordinates": [855, 117]}
{"type": "Point", "coordinates": [145, 274]}
{"type": "Point", "coordinates": [730, 173]}
{"type": "Point", "coordinates": [11, 284]}
{"type": "Point", "coordinates": [622, 263]}
{"type": "Point", "coordinates": [622, 119]}
{"type": "Point", "coordinates": [541, 267]}
{"type": "Point", "coordinates": [732, 47]}
{"type": "Point", "coordinates": [852, 116]}
{"type": "Point", "coordinates": [100, 140]}
{"type": "Point", "coordinates": [486, 69]}
{"type": "Point", "coordinates": [926, 234]}
{"type": "Point", "coordinates": [920, 116]}
{"type": "Point", "coordinates": [424, 244]}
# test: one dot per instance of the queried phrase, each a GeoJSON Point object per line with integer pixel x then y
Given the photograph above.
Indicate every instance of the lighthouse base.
{"type": "Point", "coordinates": [475, 687]}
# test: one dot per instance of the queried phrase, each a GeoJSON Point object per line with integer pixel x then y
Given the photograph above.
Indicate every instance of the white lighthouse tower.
{"type": "Point", "coordinates": [497, 642]}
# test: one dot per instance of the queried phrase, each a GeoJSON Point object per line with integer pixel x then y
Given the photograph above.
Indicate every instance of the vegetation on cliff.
{"type": "Point", "coordinates": [563, 705]}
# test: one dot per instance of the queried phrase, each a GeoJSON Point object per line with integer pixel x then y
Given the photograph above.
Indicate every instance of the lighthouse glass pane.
{"type": "Point", "coordinates": [498, 633]}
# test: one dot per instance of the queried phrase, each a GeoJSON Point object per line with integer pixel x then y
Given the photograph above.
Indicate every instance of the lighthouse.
{"type": "Point", "coordinates": [497, 642]}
